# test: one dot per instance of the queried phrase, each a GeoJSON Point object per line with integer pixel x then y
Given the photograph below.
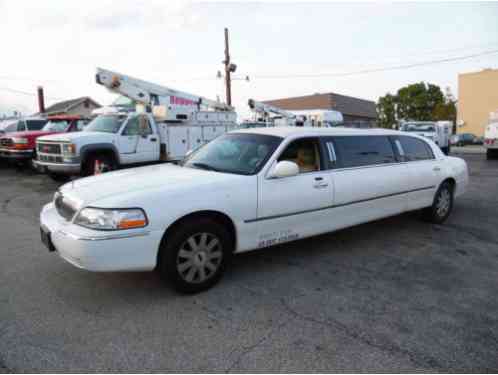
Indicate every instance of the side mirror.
{"type": "Point", "coordinates": [284, 168]}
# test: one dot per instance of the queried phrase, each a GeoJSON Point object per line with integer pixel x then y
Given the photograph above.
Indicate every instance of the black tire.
{"type": "Point", "coordinates": [57, 177]}
{"type": "Point", "coordinates": [441, 206]}
{"type": "Point", "coordinates": [491, 154]}
{"type": "Point", "coordinates": [178, 260]}
{"type": "Point", "coordinates": [107, 163]}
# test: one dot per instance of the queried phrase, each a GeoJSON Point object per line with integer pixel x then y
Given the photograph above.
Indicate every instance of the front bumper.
{"type": "Point", "coordinates": [128, 250]}
{"type": "Point", "coordinates": [8, 153]}
{"type": "Point", "coordinates": [64, 168]}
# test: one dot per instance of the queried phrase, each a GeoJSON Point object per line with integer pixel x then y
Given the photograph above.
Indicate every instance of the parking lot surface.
{"type": "Point", "coordinates": [393, 295]}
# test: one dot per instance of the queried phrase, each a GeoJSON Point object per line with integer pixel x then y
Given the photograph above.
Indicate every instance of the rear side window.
{"type": "Point", "coordinates": [414, 149]}
{"type": "Point", "coordinates": [21, 126]}
{"type": "Point", "coordinates": [35, 124]}
{"type": "Point", "coordinates": [357, 151]}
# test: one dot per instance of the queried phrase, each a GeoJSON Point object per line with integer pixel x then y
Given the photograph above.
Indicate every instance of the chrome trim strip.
{"type": "Point", "coordinates": [337, 205]}
{"type": "Point", "coordinates": [114, 236]}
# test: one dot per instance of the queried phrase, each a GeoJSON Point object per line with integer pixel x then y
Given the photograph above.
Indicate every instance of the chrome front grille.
{"type": "Point", "coordinates": [49, 148]}
{"type": "Point", "coordinates": [6, 142]}
{"type": "Point", "coordinates": [63, 207]}
{"type": "Point", "coordinates": [50, 158]}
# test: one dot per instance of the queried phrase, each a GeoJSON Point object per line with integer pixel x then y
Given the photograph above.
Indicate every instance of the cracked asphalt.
{"type": "Point", "coordinates": [394, 295]}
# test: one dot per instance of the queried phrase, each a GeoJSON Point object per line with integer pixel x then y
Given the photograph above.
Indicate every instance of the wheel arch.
{"type": "Point", "coordinates": [92, 149]}
{"type": "Point", "coordinates": [215, 215]}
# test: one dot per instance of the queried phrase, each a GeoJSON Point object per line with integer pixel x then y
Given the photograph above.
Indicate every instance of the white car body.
{"type": "Point", "coordinates": [264, 211]}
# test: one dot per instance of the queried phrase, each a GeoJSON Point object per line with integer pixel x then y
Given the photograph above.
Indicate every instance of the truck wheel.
{"type": "Point", "coordinates": [98, 164]}
{"type": "Point", "coordinates": [193, 258]}
{"type": "Point", "coordinates": [442, 205]}
{"type": "Point", "coordinates": [57, 177]}
{"type": "Point", "coordinates": [490, 154]}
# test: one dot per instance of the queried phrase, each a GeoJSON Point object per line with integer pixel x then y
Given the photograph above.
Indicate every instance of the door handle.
{"type": "Point", "coordinates": [320, 183]}
{"type": "Point", "coordinates": [436, 169]}
{"type": "Point", "coordinates": [153, 139]}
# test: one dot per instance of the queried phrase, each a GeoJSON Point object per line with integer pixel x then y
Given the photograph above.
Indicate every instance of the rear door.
{"type": "Point", "coordinates": [369, 181]}
{"type": "Point", "coordinates": [424, 168]}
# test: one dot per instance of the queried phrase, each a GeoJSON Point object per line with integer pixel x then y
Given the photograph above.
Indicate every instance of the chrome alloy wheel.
{"type": "Point", "coordinates": [199, 257]}
{"type": "Point", "coordinates": [443, 202]}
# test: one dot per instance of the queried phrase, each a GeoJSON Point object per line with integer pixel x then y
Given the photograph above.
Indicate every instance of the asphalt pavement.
{"type": "Point", "coordinates": [394, 295]}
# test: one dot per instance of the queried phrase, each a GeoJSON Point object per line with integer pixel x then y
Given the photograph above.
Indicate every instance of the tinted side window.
{"type": "Point", "coordinates": [356, 151]}
{"type": "Point", "coordinates": [35, 124]}
{"type": "Point", "coordinates": [21, 126]}
{"type": "Point", "coordinates": [415, 149]}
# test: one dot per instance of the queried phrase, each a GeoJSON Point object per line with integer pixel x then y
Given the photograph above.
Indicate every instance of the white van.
{"type": "Point", "coordinates": [491, 140]}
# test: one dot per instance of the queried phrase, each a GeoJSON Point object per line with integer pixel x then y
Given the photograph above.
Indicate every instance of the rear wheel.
{"type": "Point", "coordinates": [491, 154]}
{"type": "Point", "coordinates": [97, 164]}
{"type": "Point", "coordinates": [442, 205]}
{"type": "Point", "coordinates": [193, 258]}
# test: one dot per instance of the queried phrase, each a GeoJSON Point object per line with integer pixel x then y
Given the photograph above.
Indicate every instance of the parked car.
{"type": "Point", "coordinates": [246, 190]}
{"type": "Point", "coordinates": [20, 146]}
{"type": "Point", "coordinates": [466, 139]}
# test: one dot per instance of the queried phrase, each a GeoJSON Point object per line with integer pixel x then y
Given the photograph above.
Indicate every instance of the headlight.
{"type": "Point", "coordinates": [110, 219]}
{"type": "Point", "coordinates": [69, 148]}
{"type": "Point", "coordinates": [21, 141]}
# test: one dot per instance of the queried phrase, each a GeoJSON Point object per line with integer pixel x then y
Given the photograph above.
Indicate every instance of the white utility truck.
{"type": "Point", "coordinates": [491, 136]}
{"type": "Point", "coordinates": [437, 131]}
{"type": "Point", "coordinates": [166, 125]}
{"type": "Point", "coordinates": [275, 116]}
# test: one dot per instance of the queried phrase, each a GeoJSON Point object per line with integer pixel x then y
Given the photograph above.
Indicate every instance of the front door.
{"type": "Point", "coordinates": [294, 207]}
{"type": "Point", "coordinates": [137, 143]}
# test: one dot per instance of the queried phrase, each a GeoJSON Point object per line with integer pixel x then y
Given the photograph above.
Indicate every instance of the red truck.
{"type": "Point", "coordinates": [20, 146]}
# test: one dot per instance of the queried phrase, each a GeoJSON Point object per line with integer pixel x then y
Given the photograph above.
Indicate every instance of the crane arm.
{"type": "Point", "coordinates": [150, 93]}
{"type": "Point", "coordinates": [266, 109]}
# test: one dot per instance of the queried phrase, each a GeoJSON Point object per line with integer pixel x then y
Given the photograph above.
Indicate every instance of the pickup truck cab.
{"type": "Point", "coordinates": [491, 140]}
{"type": "Point", "coordinates": [245, 190]}
{"type": "Point", "coordinates": [117, 139]}
{"type": "Point", "coordinates": [437, 131]}
{"type": "Point", "coordinates": [20, 146]}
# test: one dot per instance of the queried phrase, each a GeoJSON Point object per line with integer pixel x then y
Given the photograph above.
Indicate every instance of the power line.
{"type": "Point", "coordinates": [376, 70]}
{"type": "Point", "coordinates": [26, 93]}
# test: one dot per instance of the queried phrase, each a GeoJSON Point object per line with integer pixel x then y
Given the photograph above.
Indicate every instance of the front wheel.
{"type": "Point", "coordinates": [441, 206]}
{"type": "Point", "coordinates": [491, 154]}
{"type": "Point", "coordinates": [57, 177]}
{"type": "Point", "coordinates": [98, 164]}
{"type": "Point", "coordinates": [193, 258]}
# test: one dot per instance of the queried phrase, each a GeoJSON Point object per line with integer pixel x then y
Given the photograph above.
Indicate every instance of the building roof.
{"type": "Point", "coordinates": [66, 105]}
{"type": "Point", "coordinates": [347, 105]}
{"type": "Point", "coordinates": [287, 131]}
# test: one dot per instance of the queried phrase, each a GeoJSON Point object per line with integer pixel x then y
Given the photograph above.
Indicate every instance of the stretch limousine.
{"type": "Point", "coordinates": [245, 190]}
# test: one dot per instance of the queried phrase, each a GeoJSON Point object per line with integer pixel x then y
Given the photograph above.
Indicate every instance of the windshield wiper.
{"type": "Point", "coordinates": [205, 166]}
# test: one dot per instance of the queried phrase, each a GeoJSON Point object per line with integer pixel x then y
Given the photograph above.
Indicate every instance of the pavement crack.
{"type": "Point", "coordinates": [417, 359]}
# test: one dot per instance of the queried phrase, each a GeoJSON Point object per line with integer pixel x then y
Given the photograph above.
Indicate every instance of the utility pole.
{"type": "Point", "coordinates": [41, 100]}
{"type": "Point", "coordinates": [229, 68]}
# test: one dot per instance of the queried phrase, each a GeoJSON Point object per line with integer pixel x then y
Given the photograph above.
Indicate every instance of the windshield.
{"type": "Point", "coordinates": [56, 126]}
{"type": "Point", "coordinates": [105, 124]}
{"type": "Point", "coordinates": [234, 153]}
{"type": "Point", "coordinates": [414, 127]}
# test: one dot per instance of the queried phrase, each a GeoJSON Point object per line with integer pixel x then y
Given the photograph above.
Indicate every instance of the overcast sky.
{"type": "Point", "coordinates": [58, 44]}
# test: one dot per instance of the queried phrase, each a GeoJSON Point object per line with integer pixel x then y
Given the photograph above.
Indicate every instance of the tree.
{"type": "Point", "coordinates": [446, 110]}
{"type": "Point", "coordinates": [418, 101]}
{"type": "Point", "coordinates": [386, 111]}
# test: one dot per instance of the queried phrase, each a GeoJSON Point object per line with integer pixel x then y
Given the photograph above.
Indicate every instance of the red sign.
{"type": "Point", "coordinates": [181, 101]}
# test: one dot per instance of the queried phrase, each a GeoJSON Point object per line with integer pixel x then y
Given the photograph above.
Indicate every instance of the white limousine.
{"type": "Point", "coordinates": [245, 190]}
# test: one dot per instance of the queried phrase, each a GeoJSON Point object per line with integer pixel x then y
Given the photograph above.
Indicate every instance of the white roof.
{"type": "Point", "coordinates": [287, 131]}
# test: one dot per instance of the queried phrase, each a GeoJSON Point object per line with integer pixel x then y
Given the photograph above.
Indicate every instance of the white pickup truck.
{"type": "Point", "coordinates": [245, 190]}
{"type": "Point", "coordinates": [437, 131]}
{"type": "Point", "coordinates": [117, 139]}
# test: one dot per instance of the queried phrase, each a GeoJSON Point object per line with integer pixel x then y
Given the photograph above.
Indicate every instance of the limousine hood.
{"type": "Point", "coordinates": [138, 181]}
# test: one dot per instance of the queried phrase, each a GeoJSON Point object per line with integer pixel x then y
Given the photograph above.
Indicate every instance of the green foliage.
{"type": "Point", "coordinates": [418, 101]}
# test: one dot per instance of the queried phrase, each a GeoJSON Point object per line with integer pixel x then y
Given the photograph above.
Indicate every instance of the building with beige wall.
{"type": "Point", "coordinates": [477, 97]}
